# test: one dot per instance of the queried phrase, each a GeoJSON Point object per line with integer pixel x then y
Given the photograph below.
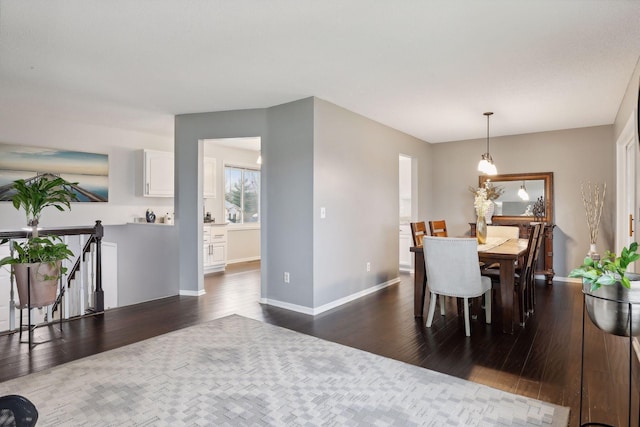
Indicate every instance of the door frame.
{"type": "Point", "coordinates": [626, 182]}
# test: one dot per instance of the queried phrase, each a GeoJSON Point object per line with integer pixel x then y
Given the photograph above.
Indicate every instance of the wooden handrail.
{"type": "Point", "coordinates": [97, 231]}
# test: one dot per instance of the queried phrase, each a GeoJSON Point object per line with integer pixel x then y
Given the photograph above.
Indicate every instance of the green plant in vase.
{"type": "Point", "coordinates": [609, 270]}
{"type": "Point", "coordinates": [612, 295]}
{"type": "Point", "coordinates": [39, 257]}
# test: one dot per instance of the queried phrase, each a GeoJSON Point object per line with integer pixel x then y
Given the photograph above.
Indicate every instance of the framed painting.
{"type": "Point", "coordinates": [89, 170]}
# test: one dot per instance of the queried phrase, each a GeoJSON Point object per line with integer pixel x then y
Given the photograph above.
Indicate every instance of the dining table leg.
{"type": "Point", "coordinates": [419, 284]}
{"type": "Point", "coordinates": [507, 275]}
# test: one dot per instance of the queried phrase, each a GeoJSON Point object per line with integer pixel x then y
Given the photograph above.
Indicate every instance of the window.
{"type": "Point", "coordinates": [241, 195]}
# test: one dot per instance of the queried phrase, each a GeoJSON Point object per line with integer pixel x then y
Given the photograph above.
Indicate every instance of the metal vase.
{"type": "Point", "coordinates": [608, 307]}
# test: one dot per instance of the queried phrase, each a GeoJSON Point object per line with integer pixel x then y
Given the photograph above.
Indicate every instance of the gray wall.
{"type": "Point", "coordinates": [287, 160]}
{"type": "Point", "coordinates": [356, 180]}
{"type": "Point", "coordinates": [574, 156]}
{"type": "Point", "coordinates": [146, 264]}
{"type": "Point", "coordinates": [189, 130]}
{"type": "Point", "coordinates": [314, 154]}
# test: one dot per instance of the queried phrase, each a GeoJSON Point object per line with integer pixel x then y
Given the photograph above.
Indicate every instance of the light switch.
{"type": "Point", "coordinates": [323, 213]}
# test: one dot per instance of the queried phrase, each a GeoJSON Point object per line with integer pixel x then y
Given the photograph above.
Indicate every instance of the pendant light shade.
{"type": "Point", "coordinates": [486, 165]}
{"type": "Point", "coordinates": [522, 192]}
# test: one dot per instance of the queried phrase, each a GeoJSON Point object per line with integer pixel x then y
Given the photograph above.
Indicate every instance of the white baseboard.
{"type": "Point", "coordinates": [564, 279]}
{"type": "Point", "coordinates": [287, 306]}
{"type": "Point", "coordinates": [239, 260]}
{"type": "Point", "coordinates": [331, 305]}
{"type": "Point", "coordinates": [189, 293]}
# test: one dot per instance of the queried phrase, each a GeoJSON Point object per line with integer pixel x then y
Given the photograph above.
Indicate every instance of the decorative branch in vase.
{"type": "Point", "coordinates": [593, 201]}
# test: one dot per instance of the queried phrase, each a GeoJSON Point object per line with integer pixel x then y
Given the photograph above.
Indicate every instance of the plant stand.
{"type": "Point", "coordinates": [630, 304]}
{"type": "Point", "coordinates": [31, 327]}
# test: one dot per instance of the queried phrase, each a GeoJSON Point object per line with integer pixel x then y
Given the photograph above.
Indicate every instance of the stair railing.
{"type": "Point", "coordinates": [92, 268]}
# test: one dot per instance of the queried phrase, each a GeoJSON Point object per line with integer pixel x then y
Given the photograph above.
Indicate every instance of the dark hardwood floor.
{"type": "Point", "coordinates": [541, 360]}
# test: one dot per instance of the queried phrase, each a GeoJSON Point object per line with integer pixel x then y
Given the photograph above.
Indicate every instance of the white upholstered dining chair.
{"type": "Point", "coordinates": [452, 270]}
{"type": "Point", "coordinates": [506, 231]}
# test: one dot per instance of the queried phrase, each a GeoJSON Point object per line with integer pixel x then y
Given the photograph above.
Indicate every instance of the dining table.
{"type": "Point", "coordinates": [505, 252]}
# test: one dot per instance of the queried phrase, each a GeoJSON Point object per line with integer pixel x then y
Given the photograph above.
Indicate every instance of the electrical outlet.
{"type": "Point", "coordinates": [286, 277]}
{"type": "Point", "coordinates": [368, 266]}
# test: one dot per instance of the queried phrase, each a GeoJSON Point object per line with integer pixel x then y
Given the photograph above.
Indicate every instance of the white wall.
{"type": "Point", "coordinates": [136, 247]}
{"type": "Point", "coordinates": [629, 101]}
{"type": "Point", "coordinates": [119, 144]}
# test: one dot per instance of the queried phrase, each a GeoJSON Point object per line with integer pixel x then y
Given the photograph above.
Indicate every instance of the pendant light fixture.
{"type": "Point", "coordinates": [486, 165]}
{"type": "Point", "coordinates": [522, 192]}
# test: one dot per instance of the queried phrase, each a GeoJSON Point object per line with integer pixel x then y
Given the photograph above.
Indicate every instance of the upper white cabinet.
{"type": "Point", "coordinates": [209, 178]}
{"type": "Point", "coordinates": [157, 174]}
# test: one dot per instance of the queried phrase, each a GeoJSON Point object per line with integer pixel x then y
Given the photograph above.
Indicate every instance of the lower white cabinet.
{"type": "Point", "coordinates": [214, 249]}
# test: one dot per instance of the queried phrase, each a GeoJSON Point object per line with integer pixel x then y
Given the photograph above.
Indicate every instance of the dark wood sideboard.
{"type": "Point", "coordinates": [545, 264]}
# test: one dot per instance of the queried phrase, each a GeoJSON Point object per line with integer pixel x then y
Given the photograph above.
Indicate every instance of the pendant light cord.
{"type": "Point", "coordinates": [488, 114]}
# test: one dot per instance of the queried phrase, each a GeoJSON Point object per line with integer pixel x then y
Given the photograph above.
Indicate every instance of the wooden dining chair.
{"type": "Point", "coordinates": [452, 270]}
{"type": "Point", "coordinates": [523, 277]}
{"type": "Point", "coordinates": [531, 294]}
{"type": "Point", "coordinates": [438, 228]}
{"type": "Point", "coordinates": [418, 231]}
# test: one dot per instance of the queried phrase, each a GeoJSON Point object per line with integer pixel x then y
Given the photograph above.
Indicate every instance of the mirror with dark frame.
{"type": "Point", "coordinates": [521, 191]}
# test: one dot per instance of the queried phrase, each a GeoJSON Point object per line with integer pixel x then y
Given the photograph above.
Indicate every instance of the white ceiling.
{"type": "Point", "coordinates": [428, 68]}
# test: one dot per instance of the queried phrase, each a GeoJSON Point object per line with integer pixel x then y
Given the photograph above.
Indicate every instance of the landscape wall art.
{"type": "Point", "coordinates": [89, 170]}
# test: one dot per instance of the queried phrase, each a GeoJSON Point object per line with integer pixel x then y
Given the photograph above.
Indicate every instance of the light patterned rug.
{"type": "Point", "coordinates": [236, 371]}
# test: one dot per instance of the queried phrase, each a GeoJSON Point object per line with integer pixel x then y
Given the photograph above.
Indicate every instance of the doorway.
{"type": "Point", "coordinates": [407, 207]}
{"type": "Point", "coordinates": [231, 202]}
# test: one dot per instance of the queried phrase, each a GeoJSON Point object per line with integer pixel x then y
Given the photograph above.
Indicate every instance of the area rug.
{"type": "Point", "coordinates": [236, 371]}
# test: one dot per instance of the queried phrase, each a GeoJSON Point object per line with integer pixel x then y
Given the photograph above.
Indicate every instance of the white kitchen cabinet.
{"type": "Point", "coordinates": [209, 178]}
{"type": "Point", "coordinates": [214, 249]}
{"type": "Point", "coordinates": [405, 255]}
{"type": "Point", "coordinates": [157, 174]}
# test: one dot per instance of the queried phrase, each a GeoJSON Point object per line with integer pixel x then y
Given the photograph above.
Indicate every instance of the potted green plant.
{"type": "Point", "coordinates": [39, 257]}
{"type": "Point", "coordinates": [612, 295]}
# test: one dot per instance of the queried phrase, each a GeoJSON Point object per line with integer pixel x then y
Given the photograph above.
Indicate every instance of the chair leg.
{"type": "Point", "coordinates": [467, 327]}
{"type": "Point", "coordinates": [532, 293]}
{"type": "Point", "coordinates": [432, 309]}
{"type": "Point", "coordinates": [442, 305]}
{"type": "Point", "coordinates": [520, 294]}
{"type": "Point", "coordinates": [487, 306]}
